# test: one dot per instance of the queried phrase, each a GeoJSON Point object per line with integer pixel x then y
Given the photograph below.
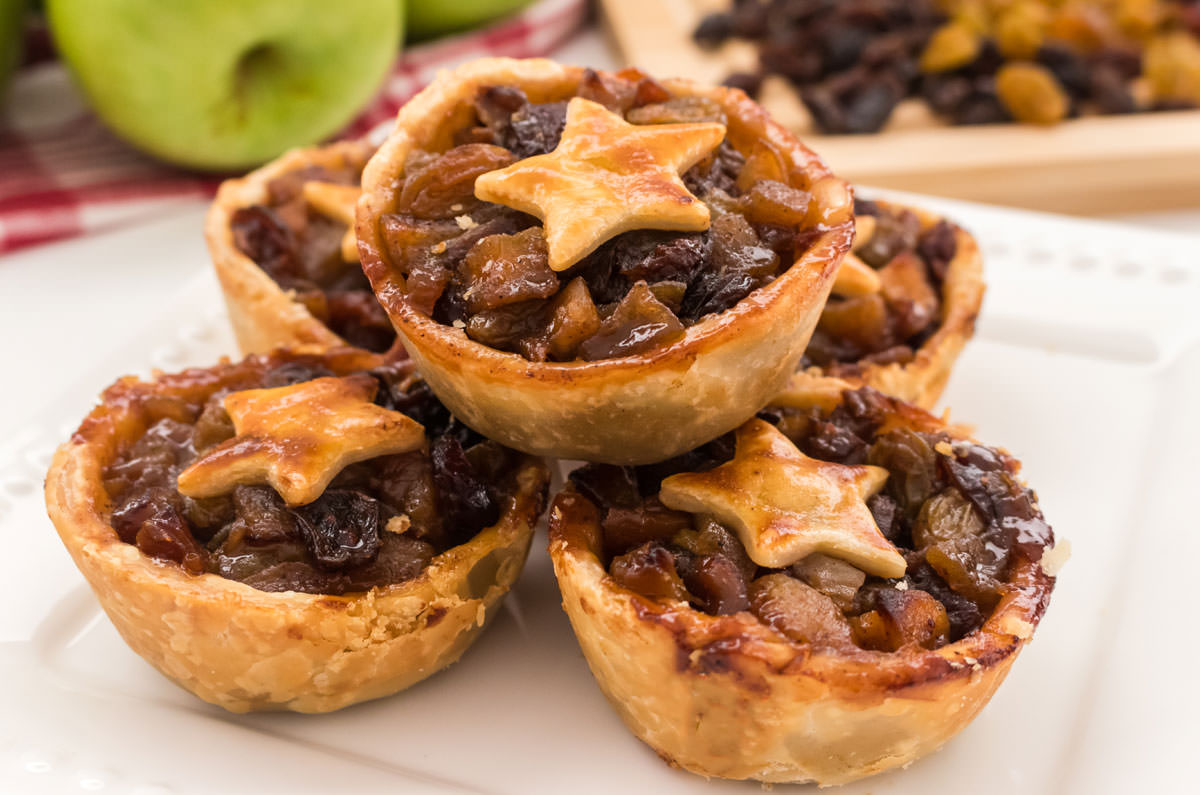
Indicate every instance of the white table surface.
{"type": "Point", "coordinates": [60, 313]}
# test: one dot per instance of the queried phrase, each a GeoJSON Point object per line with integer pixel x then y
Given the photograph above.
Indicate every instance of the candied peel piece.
{"type": "Point", "coordinates": [856, 278]}
{"type": "Point", "coordinates": [710, 537]}
{"type": "Point", "coordinates": [904, 618]}
{"type": "Point", "coordinates": [504, 269]}
{"type": "Point", "coordinates": [649, 570]}
{"type": "Point", "coordinates": [905, 286]}
{"type": "Point", "coordinates": [445, 185]}
{"type": "Point", "coordinates": [860, 321]}
{"type": "Point", "coordinates": [573, 319]}
{"type": "Point", "coordinates": [639, 323]}
{"type": "Point", "coordinates": [798, 611]}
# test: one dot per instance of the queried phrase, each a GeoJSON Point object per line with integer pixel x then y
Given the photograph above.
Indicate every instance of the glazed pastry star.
{"type": "Point", "coordinates": [785, 505]}
{"type": "Point", "coordinates": [606, 177]}
{"type": "Point", "coordinates": [336, 202]}
{"type": "Point", "coordinates": [297, 438]}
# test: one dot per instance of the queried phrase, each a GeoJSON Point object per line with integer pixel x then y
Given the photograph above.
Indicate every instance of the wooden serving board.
{"type": "Point", "coordinates": [1088, 166]}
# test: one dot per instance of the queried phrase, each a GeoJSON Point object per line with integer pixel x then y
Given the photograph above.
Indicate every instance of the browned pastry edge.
{"type": "Point", "coordinates": [629, 410]}
{"type": "Point", "coordinates": [921, 380]}
{"type": "Point", "coordinates": [245, 649]}
{"type": "Point", "coordinates": [263, 314]}
{"type": "Point", "coordinates": [728, 696]}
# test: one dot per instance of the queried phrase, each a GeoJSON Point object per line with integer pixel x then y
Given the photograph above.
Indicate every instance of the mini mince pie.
{"type": "Point", "coordinates": [833, 590]}
{"type": "Point", "coordinates": [282, 242]}
{"type": "Point", "coordinates": [599, 266]}
{"type": "Point", "coordinates": [293, 531]}
{"type": "Point", "coordinates": [902, 307]}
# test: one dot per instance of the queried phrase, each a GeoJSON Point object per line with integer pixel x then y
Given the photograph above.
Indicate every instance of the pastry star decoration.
{"type": "Point", "coordinates": [784, 505]}
{"type": "Point", "coordinates": [336, 202]}
{"type": "Point", "coordinates": [297, 438]}
{"type": "Point", "coordinates": [606, 177]}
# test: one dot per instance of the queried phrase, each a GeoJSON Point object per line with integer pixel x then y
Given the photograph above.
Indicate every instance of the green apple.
{"type": "Point", "coordinates": [226, 84]}
{"type": "Point", "coordinates": [428, 18]}
{"type": "Point", "coordinates": [12, 27]}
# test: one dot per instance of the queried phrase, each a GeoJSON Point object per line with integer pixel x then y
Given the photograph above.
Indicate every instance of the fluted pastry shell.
{"type": "Point", "coordinates": [628, 410]}
{"type": "Point", "coordinates": [921, 380]}
{"type": "Point", "coordinates": [245, 649]}
{"type": "Point", "coordinates": [264, 315]}
{"type": "Point", "coordinates": [728, 696]}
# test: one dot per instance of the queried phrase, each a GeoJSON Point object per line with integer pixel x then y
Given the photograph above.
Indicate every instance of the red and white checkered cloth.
{"type": "Point", "coordinates": [62, 173]}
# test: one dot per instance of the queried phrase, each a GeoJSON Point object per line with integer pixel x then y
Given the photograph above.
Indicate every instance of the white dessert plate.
{"type": "Point", "coordinates": [1086, 365]}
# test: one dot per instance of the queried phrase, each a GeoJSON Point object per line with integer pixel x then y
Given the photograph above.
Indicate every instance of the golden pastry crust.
{"type": "Point", "coordinates": [728, 696]}
{"type": "Point", "coordinates": [921, 380]}
{"type": "Point", "coordinates": [245, 649]}
{"type": "Point", "coordinates": [263, 314]}
{"type": "Point", "coordinates": [633, 409]}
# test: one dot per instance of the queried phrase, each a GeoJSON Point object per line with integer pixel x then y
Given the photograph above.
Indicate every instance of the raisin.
{"type": "Point", "coordinates": [713, 29]}
{"type": "Point", "coordinates": [466, 505]}
{"type": "Point", "coordinates": [913, 464]}
{"type": "Point", "coordinates": [294, 372]}
{"type": "Point", "coordinates": [357, 317]}
{"type": "Point", "coordinates": [400, 558]}
{"type": "Point", "coordinates": [1031, 93]}
{"type": "Point", "coordinates": [938, 246]}
{"type": "Point", "coordinates": [798, 611]}
{"type": "Point", "coordinates": [749, 82]}
{"type": "Point", "coordinates": [505, 328]}
{"type": "Point", "coordinates": [715, 583]}
{"type": "Point", "coordinates": [341, 528]}
{"type": "Point", "coordinates": [639, 323]}
{"type": "Point", "coordinates": [263, 237]}
{"type": "Point", "coordinates": [885, 512]}
{"type": "Point", "coordinates": [264, 515]}
{"type": "Point", "coordinates": [659, 256]}
{"type": "Point", "coordinates": [835, 578]}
